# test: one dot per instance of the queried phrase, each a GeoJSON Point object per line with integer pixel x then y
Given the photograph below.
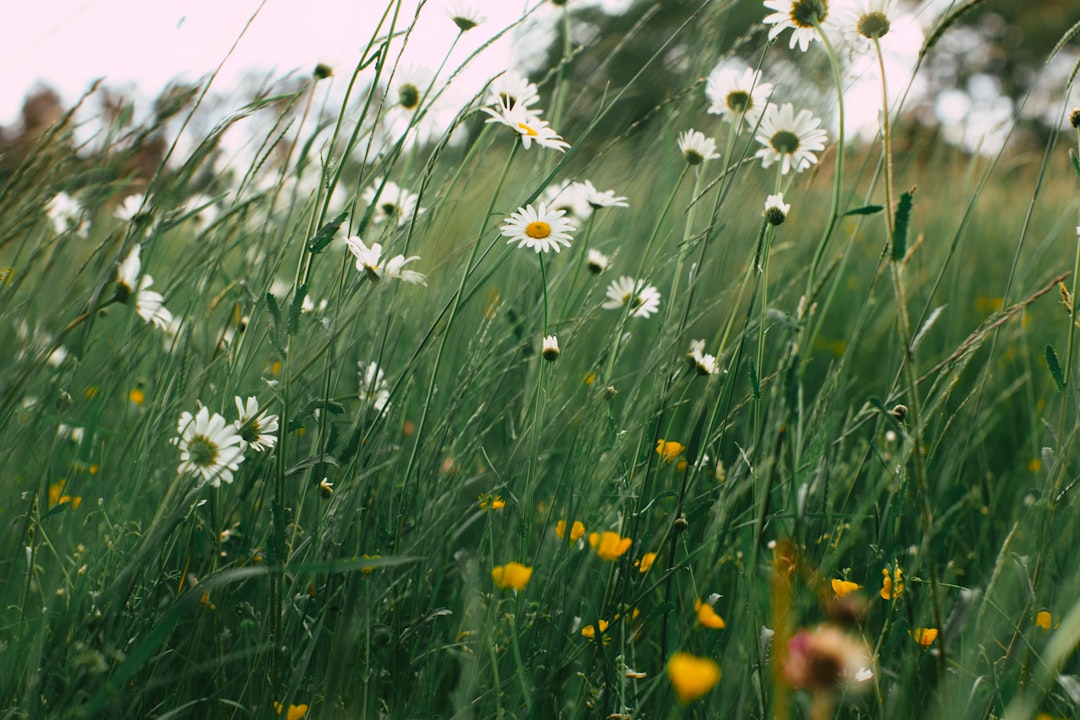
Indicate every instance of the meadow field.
{"type": "Point", "coordinates": [542, 411]}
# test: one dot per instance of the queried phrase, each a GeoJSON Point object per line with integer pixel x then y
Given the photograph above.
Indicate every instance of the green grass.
{"type": "Point", "coordinates": [350, 568]}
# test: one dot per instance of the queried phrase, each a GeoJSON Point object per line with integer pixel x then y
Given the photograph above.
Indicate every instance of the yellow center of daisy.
{"type": "Point", "coordinates": [874, 25]}
{"type": "Point", "coordinates": [538, 230]}
{"type": "Point", "coordinates": [409, 96]}
{"type": "Point", "coordinates": [739, 101]}
{"type": "Point", "coordinates": [808, 13]}
{"type": "Point", "coordinates": [203, 450]}
{"type": "Point", "coordinates": [785, 142]}
{"type": "Point", "coordinates": [526, 130]}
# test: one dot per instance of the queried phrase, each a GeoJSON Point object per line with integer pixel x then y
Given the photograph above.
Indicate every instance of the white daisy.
{"type": "Point", "coordinates": [550, 349]}
{"type": "Point", "coordinates": [776, 210]}
{"type": "Point", "coordinates": [598, 199]}
{"type": "Point", "coordinates": [528, 125]}
{"type": "Point", "coordinates": [209, 446]}
{"type": "Point", "coordinates": [865, 20]}
{"type": "Point", "coordinates": [802, 16]}
{"type": "Point", "coordinates": [373, 387]}
{"type": "Point", "coordinates": [129, 209]}
{"type": "Point", "coordinates": [699, 360]}
{"type": "Point", "coordinates": [697, 148]}
{"type": "Point", "coordinates": [511, 90]}
{"type": "Point", "coordinates": [789, 138]}
{"type": "Point", "coordinates": [643, 299]}
{"type": "Point", "coordinates": [392, 202]}
{"type": "Point", "coordinates": [66, 214]}
{"type": "Point", "coordinates": [149, 304]}
{"type": "Point", "coordinates": [255, 428]}
{"type": "Point", "coordinates": [464, 15]}
{"type": "Point", "coordinates": [736, 92]}
{"type": "Point", "coordinates": [541, 229]}
{"type": "Point", "coordinates": [393, 269]}
{"type": "Point", "coordinates": [596, 261]}
{"type": "Point", "coordinates": [370, 262]}
{"type": "Point", "coordinates": [570, 197]}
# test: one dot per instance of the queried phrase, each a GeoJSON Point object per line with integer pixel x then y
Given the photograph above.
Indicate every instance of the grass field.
{"type": "Point", "coordinates": [374, 424]}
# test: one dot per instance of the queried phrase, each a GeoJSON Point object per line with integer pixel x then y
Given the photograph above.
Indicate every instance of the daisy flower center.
{"type": "Point", "coordinates": [785, 142]}
{"type": "Point", "coordinates": [526, 130]}
{"type": "Point", "coordinates": [203, 450]}
{"type": "Point", "coordinates": [389, 209]}
{"type": "Point", "coordinates": [809, 13]}
{"type": "Point", "coordinates": [693, 157]}
{"type": "Point", "coordinates": [409, 96]}
{"type": "Point", "coordinates": [464, 23]}
{"type": "Point", "coordinates": [874, 25]}
{"type": "Point", "coordinates": [538, 230]}
{"type": "Point", "coordinates": [250, 431]}
{"type": "Point", "coordinates": [508, 100]}
{"type": "Point", "coordinates": [739, 101]}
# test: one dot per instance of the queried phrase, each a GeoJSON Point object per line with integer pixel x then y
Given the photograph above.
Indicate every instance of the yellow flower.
{"type": "Point", "coordinates": [367, 570]}
{"type": "Point", "coordinates": [645, 562]}
{"type": "Point", "coordinates": [892, 586]}
{"type": "Point", "coordinates": [590, 632]}
{"type": "Point", "coordinates": [1043, 619]}
{"type": "Point", "coordinates": [925, 636]}
{"type": "Point", "coordinates": [707, 616]}
{"type": "Point", "coordinates": [137, 396]}
{"type": "Point", "coordinates": [491, 502]}
{"type": "Point", "coordinates": [577, 530]}
{"type": "Point", "coordinates": [608, 545]}
{"type": "Point", "coordinates": [511, 576]}
{"type": "Point", "coordinates": [293, 712]}
{"type": "Point", "coordinates": [692, 676]}
{"type": "Point", "coordinates": [844, 587]}
{"type": "Point", "coordinates": [57, 496]}
{"type": "Point", "coordinates": [669, 450]}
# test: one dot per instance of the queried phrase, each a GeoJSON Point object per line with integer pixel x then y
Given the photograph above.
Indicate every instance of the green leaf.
{"type": "Point", "coordinates": [326, 233]}
{"type": "Point", "coordinates": [866, 210]}
{"type": "Point", "coordinates": [295, 307]}
{"type": "Point", "coordinates": [754, 383]}
{"type": "Point", "coordinates": [275, 316]}
{"type": "Point", "coordinates": [1055, 368]}
{"type": "Point", "coordinates": [903, 215]}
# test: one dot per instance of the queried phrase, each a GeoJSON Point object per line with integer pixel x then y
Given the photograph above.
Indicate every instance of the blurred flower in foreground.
{"type": "Point", "coordinates": [844, 587]}
{"type": "Point", "coordinates": [646, 562]}
{"type": "Point", "coordinates": [669, 450]}
{"type": "Point", "coordinates": [539, 229]}
{"type": "Point", "coordinates": [1043, 619]}
{"type": "Point", "coordinates": [692, 676]}
{"type": "Point", "coordinates": [511, 576]}
{"type": "Point", "coordinates": [373, 387]}
{"type": "Point", "coordinates": [789, 139]}
{"type": "Point", "coordinates": [707, 616]}
{"type": "Point", "coordinates": [825, 658]}
{"type": "Point", "coordinates": [149, 305]}
{"type": "Point", "coordinates": [596, 261]}
{"type": "Point", "coordinates": [392, 202]}
{"type": "Point", "coordinates": [209, 446]}
{"type": "Point", "coordinates": [696, 148]}
{"type": "Point", "coordinates": [66, 214]}
{"type": "Point", "coordinates": [737, 92]}
{"type": "Point", "coordinates": [802, 16]}
{"type": "Point", "coordinates": [643, 299]}
{"type": "Point", "coordinates": [609, 545]}
{"type": "Point", "coordinates": [254, 427]}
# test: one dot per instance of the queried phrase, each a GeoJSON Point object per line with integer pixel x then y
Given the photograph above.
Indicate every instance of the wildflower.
{"type": "Point", "coordinates": [57, 496]}
{"type": "Point", "coordinates": [373, 387]}
{"type": "Point", "coordinates": [707, 616]}
{"type": "Point", "coordinates": [697, 148]}
{"type": "Point", "coordinates": [66, 214]}
{"type": "Point", "coordinates": [802, 16]}
{"type": "Point", "coordinates": [669, 450]}
{"type": "Point", "coordinates": [322, 71]}
{"type": "Point", "coordinates": [511, 576]}
{"type": "Point", "coordinates": [892, 586]}
{"type": "Point", "coordinates": [609, 545]}
{"type": "Point", "coordinates": [703, 363]}
{"type": "Point", "coordinates": [550, 349]}
{"type": "Point", "coordinates": [596, 261]}
{"type": "Point", "coordinates": [597, 199]}
{"type": "Point", "coordinates": [590, 632]}
{"type": "Point", "coordinates": [292, 712]}
{"type": "Point", "coordinates": [511, 90]}
{"type": "Point", "coordinates": [925, 636]}
{"type": "Point", "coordinates": [540, 229]}
{"type": "Point", "coordinates": [568, 196]}
{"type": "Point", "coordinates": [528, 125]}
{"type": "Point", "coordinates": [776, 210]}
{"type": "Point", "coordinates": [491, 502]}
{"type": "Point", "coordinates": [646, 562]}
{"type": "Point", "coordinates": [692, 676]}
{"type": "Point", "coordinates": [137, 396]}
{"type": "Point", "coordinates": [789, 139]}
{"type": "Point", "coordinates": [465, 16]}
{"type": "Point", "coordinates": [1074, 120]}
{"type": "Point", "coordinates": [824, 658]}
{"type": "Point", "coordinates": [735, 94]}
{"type": "Point", "coordinates": [326, 488]}
{"type": "Point", "coordinates": [392, 202]}
{"type": "Point", "coordinates": [128, 209]}
{"type": "Point", "coordinates": [367, 570]}
{"type": "Point", "coordinates": [1042, 619]}
{"type": "Point", "coordinates": [209, 446]}
{"type": "Point", "coordinates": [370, 262]}
{"type": "Point", "coordinates": [844, 587]}
{"type": "Point", "coordinates": [149, 305]}
{"type": "Point", "coordinates": [867, 19]}
{"type": "Point", "coordinates": [255, 428]}
{"type": "Point", "coordinates": [577, 530]}
{"type": "Point", "coordinates": [643, 299]}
